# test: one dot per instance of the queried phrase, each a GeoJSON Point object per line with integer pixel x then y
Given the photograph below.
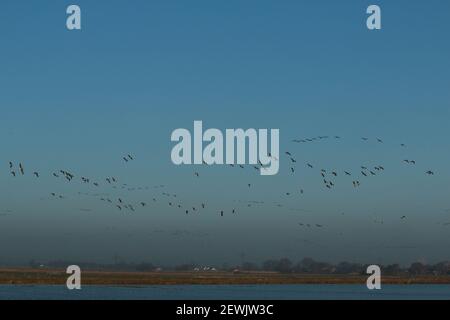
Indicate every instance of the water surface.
{"type": "Point", "coordinates": [226, 292]}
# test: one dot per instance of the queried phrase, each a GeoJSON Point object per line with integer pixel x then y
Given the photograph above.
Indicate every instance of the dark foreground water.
{"type": "Point", "coordinates": [227, 292]}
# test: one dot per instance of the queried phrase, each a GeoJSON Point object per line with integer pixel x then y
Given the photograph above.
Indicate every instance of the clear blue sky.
{"type": "Point", "coordinates": [80, 100]}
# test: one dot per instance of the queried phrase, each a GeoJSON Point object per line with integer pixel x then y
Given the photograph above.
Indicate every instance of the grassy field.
{"type": "Point", "coordinates": [46, 276]}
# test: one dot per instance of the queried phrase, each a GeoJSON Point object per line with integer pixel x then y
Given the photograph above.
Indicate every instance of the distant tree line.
{"type": "Point", "coordinates": [283, 265]}
{"type": "Point", "coordinates": [310, 266]}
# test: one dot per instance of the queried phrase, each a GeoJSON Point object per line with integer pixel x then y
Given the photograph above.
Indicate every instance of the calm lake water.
{"type": "Point", "coordinates": [226, 292]}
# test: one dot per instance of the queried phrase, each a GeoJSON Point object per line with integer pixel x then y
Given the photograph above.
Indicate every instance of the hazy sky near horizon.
{"type": "Point", "coordinates": [81, 100]}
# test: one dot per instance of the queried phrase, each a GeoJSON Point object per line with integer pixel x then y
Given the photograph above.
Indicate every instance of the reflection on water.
{"type": "Point", "coordinates": [227, 292]}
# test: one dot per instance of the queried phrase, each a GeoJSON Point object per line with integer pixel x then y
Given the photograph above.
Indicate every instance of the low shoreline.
{"type": "Point", "coordinates": [19, 276]}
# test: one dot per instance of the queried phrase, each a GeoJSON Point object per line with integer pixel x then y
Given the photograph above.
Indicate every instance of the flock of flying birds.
{"type": "Point", "coordinates": [119, 203]}
{"type": "Point", "coordinates": [328, 178]}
